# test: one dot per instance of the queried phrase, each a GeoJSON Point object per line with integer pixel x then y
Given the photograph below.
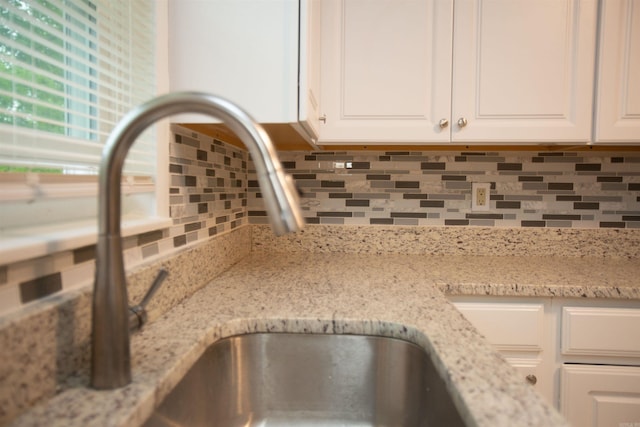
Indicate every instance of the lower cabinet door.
{"type": "Point", "coordinates": [600, 395]}
{"type": "Point", "coordinates": [531, 371]}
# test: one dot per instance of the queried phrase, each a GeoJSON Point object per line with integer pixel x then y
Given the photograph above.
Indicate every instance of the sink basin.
{"type": "Point", "coordinates": [309, 380]}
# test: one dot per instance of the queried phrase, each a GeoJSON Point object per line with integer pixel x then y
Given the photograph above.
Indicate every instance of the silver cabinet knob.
{"type": "Point", "coordinates": [531, 379]}
{"type": "Point", "coordinates": [323, 118]}
{"type": "Point", "coordinates": [443, 123]}
{"type": "Point", "coordinates": [462, 122]}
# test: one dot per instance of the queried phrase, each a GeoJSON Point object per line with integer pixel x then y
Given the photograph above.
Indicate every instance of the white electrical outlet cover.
{"type": "Point", "coordinates": [476, 203]}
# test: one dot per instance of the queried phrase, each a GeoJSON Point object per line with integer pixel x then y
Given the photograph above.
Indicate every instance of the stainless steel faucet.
{"type": "Point", "coordinates": [111, 355]}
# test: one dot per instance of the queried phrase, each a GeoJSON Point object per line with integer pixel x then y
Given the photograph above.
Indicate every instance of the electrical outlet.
{"type": "Point", "coordinates": [480, 196]}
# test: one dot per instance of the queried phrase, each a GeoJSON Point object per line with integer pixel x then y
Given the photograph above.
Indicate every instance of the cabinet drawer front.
{"type": "Point", "coordinates": [508, 327]}
{"type": "Point", "coordinates": [601, 331]}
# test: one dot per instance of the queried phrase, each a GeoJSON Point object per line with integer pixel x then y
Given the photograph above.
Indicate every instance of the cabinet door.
{"type": "Point", "coordinates": [586, 331]}
{"type": "Point", "coordinates": [523, 70]}
{"type": "Point", "coordinates": [508, 327]}
{"type": "Point", "coordinates": [600, 396]}
{"type": "Point", "coordinates": [386, 70]}
{"type": "Point", "coordinates": [245, 51]}
{"type": "Point", "coordinates": [618, 97]}
{"type": "Point", "coordinates": [520, 331]}
{"type": "Point", "coordinates": [309, 89]}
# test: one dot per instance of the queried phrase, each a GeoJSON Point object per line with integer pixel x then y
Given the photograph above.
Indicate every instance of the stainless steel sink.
{"type": "Point", "coordinates": [309, 380]}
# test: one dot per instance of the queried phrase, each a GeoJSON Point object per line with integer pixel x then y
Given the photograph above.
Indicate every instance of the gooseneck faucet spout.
{"type": "Point", "coordinates": [111, 357]}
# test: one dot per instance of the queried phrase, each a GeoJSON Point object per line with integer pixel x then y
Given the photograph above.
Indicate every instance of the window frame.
{"type": "Point", "coordinates": [146, 204]}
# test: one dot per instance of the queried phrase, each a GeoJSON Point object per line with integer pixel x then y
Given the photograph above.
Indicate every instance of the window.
{"type": "Point", "coordinates": [69, 71]}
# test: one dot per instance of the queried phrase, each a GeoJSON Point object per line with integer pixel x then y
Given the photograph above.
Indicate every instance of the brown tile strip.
{"type": "Point", "coordinates": [533, 223]}
{"type": "Point", "coordinates": [509, 166]}
{"type": "Point", "coordinates": [588, 167]}
{"type": "Point", "coordinates": [610, 224]}
{"type": "Point", "coordinates": [456, 222]}
{"type": "Point", "coordinates": [41, 287]}
{"type": "Point", "coordinates": [180, 240]}
{"type": "Point", "coordinates": [150, 237]}
{"type": "Point", "coordinates": [84, 254]}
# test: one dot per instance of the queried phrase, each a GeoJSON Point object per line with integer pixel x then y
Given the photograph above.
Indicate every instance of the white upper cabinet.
{"type": "Point", "coordinates": [386, 70]}
{"type": "Point", "coordinates": [426, 71]}
{"type": "Point", "coordinates": [254, 53]}
{"type": "Point", "coordinates": [309, 63]}
{"type": "Point", "coordinates": [618, 91]}
{"type": "Point", "coordinates": [523, 70]}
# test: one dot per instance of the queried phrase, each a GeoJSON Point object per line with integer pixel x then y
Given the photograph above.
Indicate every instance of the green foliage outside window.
{"type": "Point", "coordinates": [67, 70]}
{"type": "Point", "coordinates": [48, 86]}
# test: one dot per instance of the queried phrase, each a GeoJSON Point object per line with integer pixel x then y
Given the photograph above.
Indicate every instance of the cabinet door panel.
{"type": "Point", "coordinates": [523, 70]}
{"type": "Point", "coordinates": [600, 396]}
{"type": "Point", "coordinates": [587, 331]}
{"type": "Point", "coordinates": [618, 98]}
{"type": "Point", "coordinates": [386, 70]}
{"type": "Point", "coordinates": [508, 327]}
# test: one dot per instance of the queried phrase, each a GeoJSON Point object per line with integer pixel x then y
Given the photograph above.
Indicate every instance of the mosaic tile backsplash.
{"type": "Point", "coordinates": [213, 190]}
{"type": "Point", "coordinates": [208, 181]}
{"type": "Point", "coordinates": [582, 189]}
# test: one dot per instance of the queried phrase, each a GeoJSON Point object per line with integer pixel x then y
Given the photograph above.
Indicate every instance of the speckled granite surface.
{"type": "Point", "coordinates": [388, 296]}
{"type": "Point", "coordinates": [538, 276]}
{"type": "Point", "coordinates": [47, 342]}
{"type": "Point", "coordinates": [298, 285]}
{"type": "Point", "coordinates": [481, 241]}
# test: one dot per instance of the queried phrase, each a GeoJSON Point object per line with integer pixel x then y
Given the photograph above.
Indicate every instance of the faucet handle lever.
{"type": "Point", "coordinates": [162, 274]}
{"type": "Point", "coordinates": [138, 313]}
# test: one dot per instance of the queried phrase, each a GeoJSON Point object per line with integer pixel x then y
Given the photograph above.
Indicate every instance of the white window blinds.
{"type": "Point", "coordinates": [69, 71]}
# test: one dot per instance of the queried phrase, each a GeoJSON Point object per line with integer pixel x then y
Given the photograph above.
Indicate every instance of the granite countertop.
{"type": "Point", "coordinates": [401, 296]}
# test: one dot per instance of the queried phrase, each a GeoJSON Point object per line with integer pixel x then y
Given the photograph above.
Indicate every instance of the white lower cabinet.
{"type": "Point", "coordinates": [520, 331]}
{"type": "Point", "coordinates": [582, 355]}
{"type": "Point", "coordinates": [601, 395]}
{"type": "Point", "coordinates": [600, 373]}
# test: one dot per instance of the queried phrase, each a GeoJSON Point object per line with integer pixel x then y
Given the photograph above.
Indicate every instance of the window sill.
{"type": "Point", "coordinates": [33, 242]}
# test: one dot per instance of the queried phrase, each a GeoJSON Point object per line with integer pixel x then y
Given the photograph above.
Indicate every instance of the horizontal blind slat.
{"type": "Point", "coordinates": [43, 149]}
